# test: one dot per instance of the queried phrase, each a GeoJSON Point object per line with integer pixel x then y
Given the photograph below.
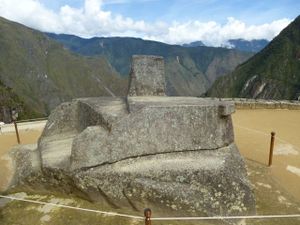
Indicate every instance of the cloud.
{"type": "Point", "coordinates": [215, 34]}
{"type": "Point", "coordinates": [91, 20]}
{"type": "Point", "coordinates": [111, 2]}
{"type": "Point", "coordinates": [30, 13]}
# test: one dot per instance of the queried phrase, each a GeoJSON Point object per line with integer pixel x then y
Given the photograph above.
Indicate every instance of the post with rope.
{"type": "Point", "coordinates": [14, 116]}
{"type": "Point", "coordinates": [271, 148]}
{"type": "Point", "coordinates": [147, 214]}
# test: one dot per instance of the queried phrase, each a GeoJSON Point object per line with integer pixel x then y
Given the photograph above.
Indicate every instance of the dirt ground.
{"type": "Point", "coordinates": [252, 134]}
{"type": "Point", "coordinates": [276, 188]}
{"type": "Point", "coordinates": [8, 140]}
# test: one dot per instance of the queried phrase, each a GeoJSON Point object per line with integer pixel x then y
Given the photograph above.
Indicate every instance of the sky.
{"type": "Point", "coordinates": [172, 21]}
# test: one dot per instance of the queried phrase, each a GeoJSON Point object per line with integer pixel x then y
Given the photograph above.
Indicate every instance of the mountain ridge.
{"type": "Point", "coordinates": [189, 71]}
{"type": "Point", "coordinates": [42, 73]}
{"type": "Point", "coordinates": [194, 44]}
{"type": "Point", "coordinates": [273, 73]}
{"type": "Point", "coordinates": [254, 45]}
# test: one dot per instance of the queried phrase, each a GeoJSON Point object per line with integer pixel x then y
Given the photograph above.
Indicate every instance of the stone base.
{"type": "Point", "coordinates": [209, 182]}
{"type": "Point", "coordinates": [18, 164]}
{"type": "Point", "coordinates": [174, 153]}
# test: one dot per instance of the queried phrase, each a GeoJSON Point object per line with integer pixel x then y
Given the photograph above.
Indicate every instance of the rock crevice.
{"type": "Point", "coordinates": [145, 155]}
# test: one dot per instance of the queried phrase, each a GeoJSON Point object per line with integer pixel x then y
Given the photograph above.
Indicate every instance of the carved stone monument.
{"type": "Point", "coordinates": [147, 76]}
{"type": "Point", "coordinates": [146, 150]}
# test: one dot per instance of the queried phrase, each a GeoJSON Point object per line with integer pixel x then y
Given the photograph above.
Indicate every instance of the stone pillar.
{"type": "Point", "coordinates": [147, 76]}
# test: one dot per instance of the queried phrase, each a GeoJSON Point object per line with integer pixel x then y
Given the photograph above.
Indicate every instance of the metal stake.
{"type": "Point", "coordinates": [147, 214]}
{"type": "Point", "coordinates": [271, 148]}
{"type": "Point", "coordinates": [14, 116]}
{"type": "Point", "coordinates": [17, 132]}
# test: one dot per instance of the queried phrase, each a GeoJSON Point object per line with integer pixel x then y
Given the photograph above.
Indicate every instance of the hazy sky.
{"type": "Point", "coordinates": [171, 21]}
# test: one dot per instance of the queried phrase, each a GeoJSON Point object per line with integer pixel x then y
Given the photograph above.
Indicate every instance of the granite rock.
{"type": "Point", "coordinates": [161, 125]}
{"type": "Point", "coordinates": [143, 150]}
{"type": "Point", "coordinates": [20, 162]}
{"type": "Point", "coordinates": [147, 76]}
{"type": "Point", "coordinates": [207, 182]}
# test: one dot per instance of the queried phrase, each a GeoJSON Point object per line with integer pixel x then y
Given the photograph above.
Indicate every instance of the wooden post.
{"type": "Point", "coordinates": [147, 214]}
{"type": "Point", "coordinates": [271, 147]}
{"type": "Point", "coordinates": [17, 132]}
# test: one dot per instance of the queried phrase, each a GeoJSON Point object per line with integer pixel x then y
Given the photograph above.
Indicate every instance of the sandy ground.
{"type": "Point", "coordinates": [252, 135]}
{"type": "Point", "coordinates": [8, 140]}
{"type": "Point", "coordinates": [29, 134]}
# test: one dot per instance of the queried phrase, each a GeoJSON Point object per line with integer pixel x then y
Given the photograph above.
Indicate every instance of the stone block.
{"type": "Point", "coordinates": [155, 125]}
{"type": "Point", "coordinates": [196, 183]}
{"type": "Point", "coordinates": [226, 109]}
{"type": "Point", "coordinates": [146, 149]}
{"type": "Point", "coordinates": [147, 76]}
{"type": "Point", "coordinates": [19, 163]}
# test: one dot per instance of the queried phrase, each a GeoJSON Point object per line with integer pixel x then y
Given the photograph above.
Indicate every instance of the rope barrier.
{"type": "Point", "coordinates": [153, 218]}
{"type": "Point", "coordinates": [72, 207]}
{"type": "Point", "coordinates": [261, 132]}
{"type": "Point", "coordinates": [226, 217]}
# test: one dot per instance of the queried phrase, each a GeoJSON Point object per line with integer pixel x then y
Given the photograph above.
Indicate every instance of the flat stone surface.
{"type": "Point", "coordinates": [136, 103]}
{"type": "Point", "coordinates": [56, 151]}
{"type": "Point", "coordinates": [160, 125]}
{"type": "Point", "coordinates": [101, 111]}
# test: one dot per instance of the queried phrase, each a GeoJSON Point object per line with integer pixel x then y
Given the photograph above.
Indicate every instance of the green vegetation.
{"type": "Point", "coordinates": [189, 71]}
{"type": "Point", "coordinates": [10, 100]}
{"type": "Point", "coordinates": [273, 73]}
{"type": "Point", "coordinates": [42, 73]}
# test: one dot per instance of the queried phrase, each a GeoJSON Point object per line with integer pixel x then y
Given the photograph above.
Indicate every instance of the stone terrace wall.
{"type": "Point", "coordinates": [244, 103]}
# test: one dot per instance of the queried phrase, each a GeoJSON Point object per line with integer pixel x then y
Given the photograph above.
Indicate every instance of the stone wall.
{"type": "Point", "coordinates": [244, 103]}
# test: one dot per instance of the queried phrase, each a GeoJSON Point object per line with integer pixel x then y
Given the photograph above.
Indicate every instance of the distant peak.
{"type": "Point", "coordinates": [194, 44]}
